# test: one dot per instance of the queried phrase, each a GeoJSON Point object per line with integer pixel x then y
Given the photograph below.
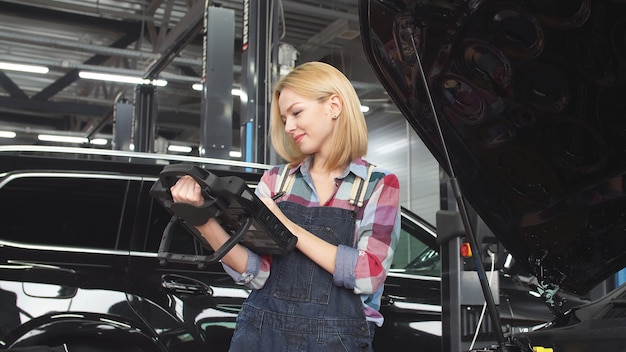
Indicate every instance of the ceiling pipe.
{"type": "Point", "coordinates": [328, 13]}
{"type": "Point", "coordinates": [91, 48]}
{"type": "Point", "coordinates": [104, 69]}
{"type": "Point", "coordinates": [164, 75]}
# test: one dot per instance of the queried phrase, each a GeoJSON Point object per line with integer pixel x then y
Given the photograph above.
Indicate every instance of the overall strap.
{"type": "Point", "coordinates": [357, 195]}
{"type": "Point", "coordinates": [285, 180]}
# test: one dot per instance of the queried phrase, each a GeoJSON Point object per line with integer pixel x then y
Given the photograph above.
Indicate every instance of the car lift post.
{"type": "Point", "coordinates": [450, 232]}
{"type": "Point", "coordinates": [216, 115]}
{"type": "Point", "coordinates": [259, 49]}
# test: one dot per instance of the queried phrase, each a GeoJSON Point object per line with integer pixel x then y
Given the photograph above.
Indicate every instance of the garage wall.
{"type": "Point", "coordinates": [395, 146]}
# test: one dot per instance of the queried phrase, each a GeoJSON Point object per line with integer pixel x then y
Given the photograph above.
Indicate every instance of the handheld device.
{"type": "Point", "coordinates": [228, 199]}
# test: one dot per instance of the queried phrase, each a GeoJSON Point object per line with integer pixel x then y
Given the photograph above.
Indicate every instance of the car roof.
{"type": "Point", "coordinates": [31, 157]}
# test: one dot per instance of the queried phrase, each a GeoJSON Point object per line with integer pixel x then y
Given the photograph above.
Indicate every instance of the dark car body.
{"type": "Point", "coordinates": [522, 103]}
{"type": "Point", "coordinates": [79, 265]}
{"type": "Point", "coordinates": [412, 299]}
{"type": "Point", "coordinates": [80, 235]}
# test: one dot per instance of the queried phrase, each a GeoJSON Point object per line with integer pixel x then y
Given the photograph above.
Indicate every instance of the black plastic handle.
{"type": "Point", "coordinates": [238, 210]}
{"type": "Point", "coordinates": [212, 207]}
{"type": "Point", "coordinates": [171, 173]}
{"type": "Point", "coordinates": [165, 256]}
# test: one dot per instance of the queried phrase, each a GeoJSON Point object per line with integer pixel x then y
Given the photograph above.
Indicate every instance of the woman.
{"type": "Point", "coordinates": [325, 295]}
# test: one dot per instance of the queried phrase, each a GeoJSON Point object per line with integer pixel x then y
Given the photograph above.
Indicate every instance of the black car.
{"type": "Point", "coordinates": [80, 237]}
{"type": "Point", "coordinates": [522, 104]}
{"type": "Point", "coordinates": [412, 299]}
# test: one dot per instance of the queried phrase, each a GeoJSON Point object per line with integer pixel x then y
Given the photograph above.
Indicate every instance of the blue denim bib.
{"type": "Point", "coordinates": [299, 308]}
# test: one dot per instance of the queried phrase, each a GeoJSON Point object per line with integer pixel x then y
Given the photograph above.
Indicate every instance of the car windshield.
{"type": "Point", "coordinates": [417, 252]}
{"type": "Point", "coordinates": [427, 260]}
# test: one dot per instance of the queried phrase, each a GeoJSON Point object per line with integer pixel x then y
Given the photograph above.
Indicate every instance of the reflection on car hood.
{"type": "Point", "coordinates": [530, 97]}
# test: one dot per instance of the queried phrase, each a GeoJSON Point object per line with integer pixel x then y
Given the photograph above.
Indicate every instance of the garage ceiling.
{"type": "Point", "coordinates": [116, 36]}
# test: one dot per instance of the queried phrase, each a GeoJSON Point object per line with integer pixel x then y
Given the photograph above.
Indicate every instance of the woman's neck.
{"type": "Point", "coordinates": [319, 166]}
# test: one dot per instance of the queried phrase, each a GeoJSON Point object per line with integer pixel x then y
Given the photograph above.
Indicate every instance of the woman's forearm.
{"type": "Point", "coordinates": [216, 236]}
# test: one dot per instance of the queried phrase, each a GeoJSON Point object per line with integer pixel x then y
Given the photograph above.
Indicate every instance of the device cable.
{"type": "Point", "coordinates": [492, 256]}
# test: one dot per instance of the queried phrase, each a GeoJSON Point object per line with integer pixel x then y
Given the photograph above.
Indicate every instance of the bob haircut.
{"type": "Point", "coordinates": [319, 81]}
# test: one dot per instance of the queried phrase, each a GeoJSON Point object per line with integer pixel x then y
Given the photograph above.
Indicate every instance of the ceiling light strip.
{"type": "Point", "coordinates": [23, 68]}
{"type": "Point", "coordinates": [121, 78]}
{"type": "Point", "coordinates": [7, 134]}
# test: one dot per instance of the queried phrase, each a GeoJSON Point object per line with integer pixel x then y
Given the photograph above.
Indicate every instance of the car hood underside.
{"type": "Point", "coordinates": [529, 99]}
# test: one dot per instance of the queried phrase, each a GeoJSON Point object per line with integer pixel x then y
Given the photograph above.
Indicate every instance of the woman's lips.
{"type": "Point", "coordinates": [298, 138]}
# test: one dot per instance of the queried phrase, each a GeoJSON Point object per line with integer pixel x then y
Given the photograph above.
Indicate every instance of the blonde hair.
{"type": "Point", "coordinates": [319, 81]}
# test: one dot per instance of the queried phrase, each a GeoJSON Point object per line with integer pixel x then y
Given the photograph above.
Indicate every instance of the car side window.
{"type": "Point", "coordinates": [415, 256]}
{"type": "Point", "coordinates": [63, 211]}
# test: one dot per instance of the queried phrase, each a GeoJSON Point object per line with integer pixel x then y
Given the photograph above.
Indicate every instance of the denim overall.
{"type": "Point", "coordinates": [300, 308]}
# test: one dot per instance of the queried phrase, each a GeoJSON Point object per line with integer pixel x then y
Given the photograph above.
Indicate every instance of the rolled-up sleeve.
{"type": "Point", "coordinates": [252, 269]}
{"type": "Point", "coordinates": [377, 236]}
{"type": "Point", "coordinates": [254, 276]}
{"type": "Point", "coordinates": [345, 262]}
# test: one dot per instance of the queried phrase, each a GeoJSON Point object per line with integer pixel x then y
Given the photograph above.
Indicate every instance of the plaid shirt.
{"type": "Point", "coordinates": [362, 268]}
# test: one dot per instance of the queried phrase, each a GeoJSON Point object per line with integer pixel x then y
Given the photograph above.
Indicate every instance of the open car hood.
{"type": "Point", "coordinates": [530, 97]}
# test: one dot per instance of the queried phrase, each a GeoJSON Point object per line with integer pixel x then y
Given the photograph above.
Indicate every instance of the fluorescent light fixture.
{"type": "Point", "coordinates": [62, 139]}
{"type": "Point", "coordinates": [187, 149]}
{"type": "Point", "coordinates": [234, 91]}
{"type": "Point", "coordinates": [121, 78]}
{"type": "Point", "coordinates": [23, 68]}
{"type": "Point", "coordinates": [179, 148]}
{"type": "Point", "coordinates": [99, 141]}
{"type": "Point", "coordinates": [7, 134]}
{"type": "Point", "coordinates": [365, 108]}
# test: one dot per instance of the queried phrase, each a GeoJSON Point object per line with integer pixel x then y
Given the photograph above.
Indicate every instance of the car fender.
{"type": "Point", "coordinates": [61, 328]}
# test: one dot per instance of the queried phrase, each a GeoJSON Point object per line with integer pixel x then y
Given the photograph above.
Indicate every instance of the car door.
{"type": "Point", "coordinates": [62, 248]}
{"type": "Point", "coordinates": [411, 301]}
{"type": "Point", "coordinates": [192, 306]}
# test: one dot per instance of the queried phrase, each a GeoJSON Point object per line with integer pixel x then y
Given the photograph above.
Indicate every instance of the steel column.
{"type": "Point", "coordinates": [122, 124]}
{"type": "Point", "coordinates": [217, 100]}
{"type": "Point", "coordinates": [144, 118]}
{"type": "Point", "coordinates": [260, 48]}
{"type": "Point", "coordinates": [449, 236]}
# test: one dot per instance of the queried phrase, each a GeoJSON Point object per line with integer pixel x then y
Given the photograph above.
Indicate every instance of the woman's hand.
{"type": "Point", "coordinates": [187, 190]}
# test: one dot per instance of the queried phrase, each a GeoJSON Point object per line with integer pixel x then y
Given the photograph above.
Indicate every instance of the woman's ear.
{"type": "Point", "coordinates": [336, 105]}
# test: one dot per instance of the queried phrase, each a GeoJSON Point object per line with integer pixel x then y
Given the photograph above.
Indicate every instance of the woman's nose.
{"type": "Point", "coordinates": [289, 124]}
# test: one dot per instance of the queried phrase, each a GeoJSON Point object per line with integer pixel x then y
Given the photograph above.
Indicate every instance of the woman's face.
{"type": "Point", "coordinates": [309, 122]}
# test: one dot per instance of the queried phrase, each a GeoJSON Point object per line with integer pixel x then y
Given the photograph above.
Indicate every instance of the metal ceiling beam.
{"type": "Point", "coordinates": [305, 15]}
{"type": "Point", "coordinates": [296, 7]}
{"type": "Point", "coordinates": [51, 108]}
{"type": "Point", "coordinates": [176, 40]}
{"type": "Point", "coordinates": [190, 75]}
{"type": "Point", "coordinates": [89, 48]}
{"type": "Point", "coordinates": [46, 14]}
{"type": "Point", "coordinates": [326, 35]}
{"type": "Point", "coordinates": [14, 91]}
{"type": "Point", "coordinates": [72, 75]}
{"type": "Point", "coordinates": [88, 9]}
{"type": "Point", "coordinates": [41, 122]}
